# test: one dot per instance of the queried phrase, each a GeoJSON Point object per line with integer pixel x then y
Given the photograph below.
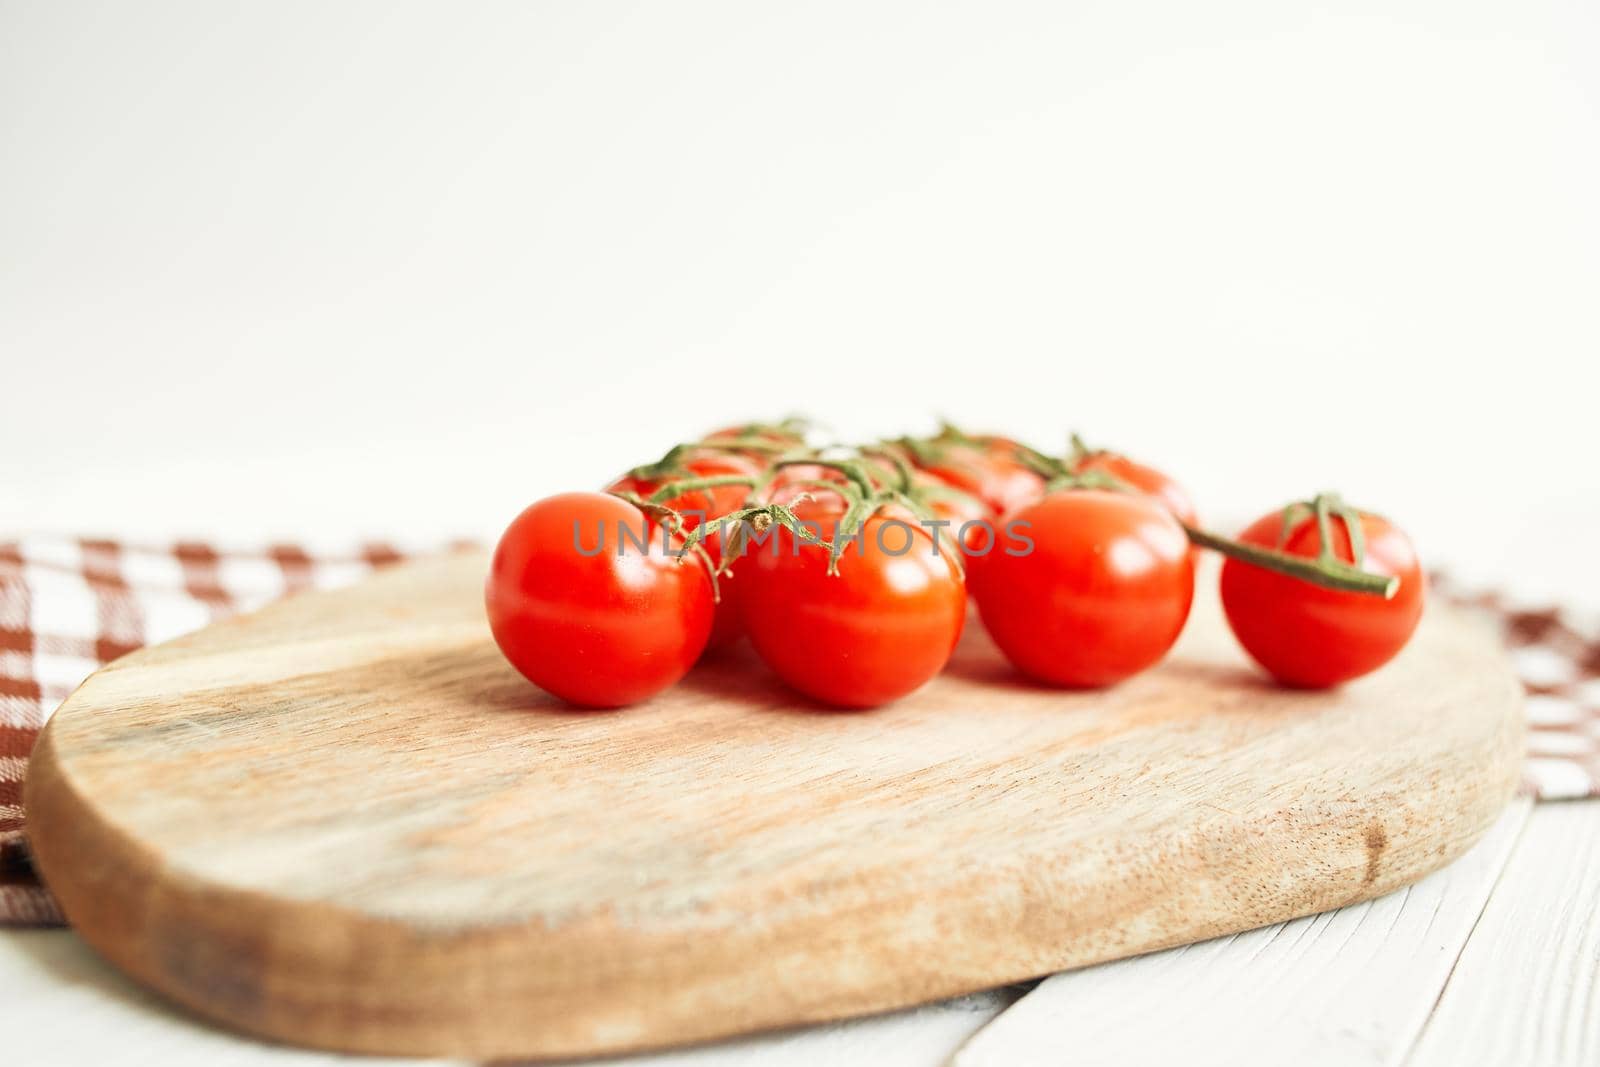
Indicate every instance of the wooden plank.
{"type": "Point", "coordinates": [1527, 987]}
{"type": "Point", "coordinates": [1347, 987]}
{"type": "Point", "coordinates": [346, 822]}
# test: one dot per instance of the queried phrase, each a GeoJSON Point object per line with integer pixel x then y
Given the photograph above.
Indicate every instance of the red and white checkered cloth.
{"type": "Point", "coordinates": [1556, 653]}
{"type": "Point", "coordinates": [68, 606]}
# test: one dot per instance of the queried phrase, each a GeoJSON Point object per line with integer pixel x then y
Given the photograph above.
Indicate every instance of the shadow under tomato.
{"type": "Point", "coordinates": [978, 660]}
{"type": "Point", "coordinates": [1218, 675]}
{"type": "Point", "coordinates": [739, 675]}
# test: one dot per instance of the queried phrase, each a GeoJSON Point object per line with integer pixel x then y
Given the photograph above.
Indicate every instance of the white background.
{"type": "Point", "coordinates": [286, 269]}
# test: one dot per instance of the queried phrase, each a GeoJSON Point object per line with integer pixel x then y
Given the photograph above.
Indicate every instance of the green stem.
{"type": "Point", "coordinates": [1328, 573]}
{"type": "Point", "coordinates": [852, 469]}
{"type": "Point", "coordinates": [685, 486]}
{"type": "Point", "coordinates": [1090, 480]}
{"type": "Point", "coordinates": [672, 463]}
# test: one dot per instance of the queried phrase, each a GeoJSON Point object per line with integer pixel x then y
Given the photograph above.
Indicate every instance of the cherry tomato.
{"type": "Point", "coordinates": [1146, 479]}
{"type": "Point", "coordinates": [1003, 483]}
{"type": "Point", "coordinates": [1102, 594]}
{"type": "Point", "coordinates": [1311, 637]}
{"type": "Point", "coordinates": [878, 629]}
{"type": "Point", "coordinates": [586, 615]}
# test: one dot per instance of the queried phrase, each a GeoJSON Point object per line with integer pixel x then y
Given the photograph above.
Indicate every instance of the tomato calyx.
{"type": "Point", "coordinates": [1325, 568]}
{"type": "Point", "coordinates": [868, 481]}
{"type": "Point", "coordinates": [876, 479]}
{"type": "Point", "coordinates": [1065, 474]}
{"type": "Point", "coordinates": [1081, 451]}
{"type": "Point", "coordinates": [1090, 479]}
{"type": "Point", "coordinates": [1325, 507]}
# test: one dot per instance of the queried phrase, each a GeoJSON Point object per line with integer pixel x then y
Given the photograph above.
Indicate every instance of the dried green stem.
{"type": "Point", "coordinates": [1325, 570]}
{"type": "Point", "coordinates": [684, 486]}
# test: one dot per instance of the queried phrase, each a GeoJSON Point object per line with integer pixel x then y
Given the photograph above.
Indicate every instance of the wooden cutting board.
{"type": "Point", "coordinates": [346, 822]}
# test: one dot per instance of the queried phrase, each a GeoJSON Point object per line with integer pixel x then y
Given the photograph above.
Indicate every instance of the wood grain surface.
{"type": "Point", "coordinates": [345, 822]}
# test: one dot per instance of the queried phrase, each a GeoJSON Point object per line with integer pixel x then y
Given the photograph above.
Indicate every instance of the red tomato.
{"type": "Point", "coordinates": [1003, 484]}
{"type": "Point", "coordinates": [598, 630]}
{"type": "Point", "coordinates": [1102, 594]}
{"type": "Point", "coordinates": [1311, 637]}
{"type": "Point", "coordinates": [878, 629]}
{"type": "Point", "coordinates": [1143, 478]}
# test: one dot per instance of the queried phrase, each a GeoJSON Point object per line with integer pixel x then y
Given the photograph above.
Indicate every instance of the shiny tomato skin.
{"type": "Point", "coordinates": [598, 631]}
{"type": "Point", "coordinates": [877, 630]}
{"type": "Point", "coordinates": [1310, 637]}
{"type": "Point", "coordinates": [1144, 478]}
{"type": "Point", "coordinates": [1102, 595]}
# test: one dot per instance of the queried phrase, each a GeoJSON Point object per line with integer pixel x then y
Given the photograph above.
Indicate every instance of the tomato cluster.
{"type": "Point", "coordinates": [850, 570]}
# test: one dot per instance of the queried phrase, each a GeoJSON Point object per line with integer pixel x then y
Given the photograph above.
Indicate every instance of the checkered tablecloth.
{"type": "Point", "coordinates": [69, 605]}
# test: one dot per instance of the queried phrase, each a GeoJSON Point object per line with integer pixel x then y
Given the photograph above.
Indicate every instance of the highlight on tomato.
{"type": "Point", "coordinates": [1304, 633]}
{"type": "Point", "coordinates": [1103, 593]}
{"type": "Point", "coordinates": [588, 597]}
